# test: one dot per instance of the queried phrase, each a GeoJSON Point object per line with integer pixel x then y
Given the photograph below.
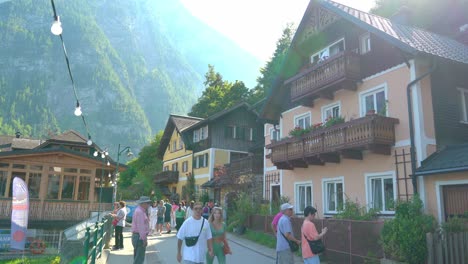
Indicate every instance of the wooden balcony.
{"type": "Point", "coordinates": [56, 210]}
{"type": "Point", "coordinates": [375, 133]}
{"type": "Point", "coordinates": [341, 71]}
{"type": "Point", "coordinates": [247, 165]}
{"type": "Point", "coordinates": [166, 177]}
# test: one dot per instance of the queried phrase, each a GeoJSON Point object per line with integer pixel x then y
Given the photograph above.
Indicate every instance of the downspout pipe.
{"type": "Point", "coordinates": [411, 124]}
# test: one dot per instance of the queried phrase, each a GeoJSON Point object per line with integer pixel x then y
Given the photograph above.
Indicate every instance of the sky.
{"type": "Point", "coordinates": [256, 25]}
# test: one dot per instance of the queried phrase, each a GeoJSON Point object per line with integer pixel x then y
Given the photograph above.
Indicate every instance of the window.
{"type": "Point", "coordinates": [68, 187]}
{"type": "Point", "coordinates": [375, 101]}
{"type": "Point", "coordinates": [275, 134]}
{"type": "Point", "coordinates": [34, 184]}
{"type": "Point", "coordinates": [181, 144]}
{"type": "Point", "coordinates": [327, 52]}
{"type": "Point", "coordinates": [302, 121]}
{"type": "Point", "coordinates": [330, 111]}
{"type": "Point", "coordinates": [196, 135]}
{"type": "Point", "coordinates": [334, 195]}
{"type": "Point", "coordinates": [174, 145]}
{"type": "Point", "coordinates": [83, 188]}
{"type": "Point", "coordinates": [364, 43]}
{"type": "Point", "coordinates": [3, 182]}
{"type": "Point", "coordinates": [381, 192]}
{"type": "Point", "coordinates": [464, 105]}
{"type": "Point", "coordinates": [204, 133]}
{"type": "Point", "coordinates": [166, 168]}
{"type": "Point", "coordinates": [53, 186]}
{"type": "Point", "coordinates": [175, 166]}
{"type": "Point", "coordinates": [201, 161]}
{"type": "Point", "coordinates": [303, 196]}
{"type": "Point", "coordinates": [185, 166]}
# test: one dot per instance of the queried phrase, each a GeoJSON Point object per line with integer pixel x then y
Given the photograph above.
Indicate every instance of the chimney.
{"type": "Point", "coordinates": [402, 16]}
{"type": "Point", "coordinates": [18, 134]}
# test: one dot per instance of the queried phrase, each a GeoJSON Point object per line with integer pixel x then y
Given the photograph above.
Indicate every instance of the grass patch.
{"type": "Point", "coordinates": [42, 260]}
{"type": "Point", "coordinates": [260, 238]}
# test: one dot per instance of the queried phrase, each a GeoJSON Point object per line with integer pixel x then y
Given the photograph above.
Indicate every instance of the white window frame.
{"type": "Point", "coordinates": [374, 90]}
{"type": "Point", "coordinates": [203, 132]}
{"type": "Point", "coordinates": [440, 196]}
{"type": "Point", "coordinates": [196, 136]}
{"type": "Point", "coordinates": [325, 52]}
{"type": "Point", "coordinates": [298, 185]}
{"type": "Point", "coordinates": [329, 107]}
{"type": "Point", "coordinates": [325, 181]}
{"type": "Point", "coordinates": [365, 43]}
{"type": "Point", "coordinates": [464, 102]}
{"type": "Point", "coordinates": [274, 132]}
{"type": "Point", "coordinates": [303, 117]}
{"type": "Point", "coordinates": [380, 175]}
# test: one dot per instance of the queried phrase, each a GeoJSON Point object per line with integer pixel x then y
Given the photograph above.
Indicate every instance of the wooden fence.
{"type": "Point", "coordinates": [447, 248]}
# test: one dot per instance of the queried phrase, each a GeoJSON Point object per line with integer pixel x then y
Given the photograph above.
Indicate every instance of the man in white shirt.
{"type": "Point", "coordinates": [195, 254]}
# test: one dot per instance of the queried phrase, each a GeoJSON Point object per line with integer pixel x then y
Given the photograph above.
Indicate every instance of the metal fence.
{"type": "Point", "coordinates": [347, 241]}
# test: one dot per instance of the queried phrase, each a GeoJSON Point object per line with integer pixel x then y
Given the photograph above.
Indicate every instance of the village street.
{"type": "Point", "coordinates": [162, 250]}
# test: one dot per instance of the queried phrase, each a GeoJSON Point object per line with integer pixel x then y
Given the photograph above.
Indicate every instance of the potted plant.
{"type": "Point", "coordinates": [370, 112]}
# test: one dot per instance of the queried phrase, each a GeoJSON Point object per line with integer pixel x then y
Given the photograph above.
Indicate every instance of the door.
{"type": "Point", "coordinates": [455, 200]}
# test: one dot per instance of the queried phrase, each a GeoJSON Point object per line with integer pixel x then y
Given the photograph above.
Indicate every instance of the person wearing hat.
{"type": "Point", "coordinates": [283, 251]}
{"type": "Point", "coordinates": [140, 230]}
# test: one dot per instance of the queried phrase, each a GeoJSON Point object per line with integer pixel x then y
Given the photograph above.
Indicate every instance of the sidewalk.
{"type": "Point", "coordinates": [153, 256]}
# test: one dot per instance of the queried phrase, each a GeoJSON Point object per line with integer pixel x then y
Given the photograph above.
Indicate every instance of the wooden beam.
{"type": "Point", "coordinates": [326, 95]}
{"type": "Point", "coordinates": [309, 102]}
{"type": "Point", "coordinates": [333, 157]}
{"type": "Point", "coordinates": [314, 161]}
{"type": "Point", "coordinates": [351, 154]}
{"type": "Point", "coordinates": [298, 163]}
{"type": "Point", "coordinates": [381, 149]}
{"type": "Point", "coordinates": [350, 85]}
{"type": "Point", "coordinates": [283, 166]}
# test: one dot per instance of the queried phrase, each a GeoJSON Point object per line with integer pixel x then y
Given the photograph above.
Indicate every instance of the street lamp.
{"type": "Point", "coordinates": [119, 152]}
{"type": "Point", "coordinates": [104, 155]}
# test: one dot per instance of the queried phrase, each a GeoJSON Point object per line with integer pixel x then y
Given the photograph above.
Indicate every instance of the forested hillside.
{"type": "Point", "coordinates": [134, 63]}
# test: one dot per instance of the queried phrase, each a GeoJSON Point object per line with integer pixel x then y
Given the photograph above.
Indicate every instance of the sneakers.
{"type": "Point", "coordinates": [114, 248]}
{"type": "Point", "coordinates": [168, 232]}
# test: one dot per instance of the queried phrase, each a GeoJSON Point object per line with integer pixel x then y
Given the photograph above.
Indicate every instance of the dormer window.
{"type": "Point", "coordinates": [364, 43]}
{"type": "Point", "coordinates": [327, 52]}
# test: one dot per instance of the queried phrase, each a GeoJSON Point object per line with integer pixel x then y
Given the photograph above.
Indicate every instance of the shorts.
{"type": "Point", "coordinates": [160, 219]}
{"type": "Point", "coordinates": [167, 219]}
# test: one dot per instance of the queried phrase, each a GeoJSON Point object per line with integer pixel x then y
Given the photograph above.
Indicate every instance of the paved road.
{"type": "Point", "coordinates": [163, 250]}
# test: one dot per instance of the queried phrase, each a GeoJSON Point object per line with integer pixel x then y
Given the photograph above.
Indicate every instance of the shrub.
{"type": "Point", "coordinates": [241, 210]}
{"type": "Point", "coordinates": [354, 211]}
{"type": "Point", "coordinates": [455, 224]}
{"type": "Point", "coordinates": [404, 237]}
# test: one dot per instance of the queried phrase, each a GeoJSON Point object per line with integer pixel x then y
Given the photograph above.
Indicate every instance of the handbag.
{"type": "Point", "coordinates": [192, 240]}
{"type": "Point", "coordinates": [292, 245]}
{"type": "Point", "coordinates": [226, 248]}
{"type": "Point", "coordinates": [115, 221]}
{"type": "Point", "coordinates": [316, 246]}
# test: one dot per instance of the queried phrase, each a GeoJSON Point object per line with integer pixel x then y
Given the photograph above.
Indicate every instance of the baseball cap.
{"type": "Point", "coordinates": [286, 206]}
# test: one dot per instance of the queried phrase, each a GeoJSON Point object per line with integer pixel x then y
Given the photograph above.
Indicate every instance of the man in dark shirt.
{"type": "Point", "coordinates": [167, 216]}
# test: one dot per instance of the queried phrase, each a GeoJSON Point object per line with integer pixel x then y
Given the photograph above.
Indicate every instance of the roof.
{"type": "Point", "coordinates": [223, 113]}
{"type": "Point", "coordinates": [8, 143]}
{"type": "Point", "coordinates": [408, 38]}
{"type": "Point", "coordinates": [449, 159]}
{"type": "Point", "coordinates": [71, 136]}
{"type": "Point", "coordinates": [174, 122]}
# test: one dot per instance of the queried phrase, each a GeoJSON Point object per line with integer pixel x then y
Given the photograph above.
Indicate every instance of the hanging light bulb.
{"type": "Point", "coordinates": [56, 28]}
{"type": "Point", "coordinates": [112, 184]}
{"type": "Point", "coordinates": [89, 142]}
{"type": "Point", "coordinates": [103, 155]}
{"type": "Point", "coordinates": [95, 153]}
{"type": "Point", "coordinates": [108, 164]}
{"type": "Point", "coordinates": [109, 175]}
{"type": "Point", "coordinates": [78, 109]}
{"type": "Point", "coordinates": [106, 153]}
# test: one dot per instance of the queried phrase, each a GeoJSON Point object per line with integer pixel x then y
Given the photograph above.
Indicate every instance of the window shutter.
{"type": "Point", "coordinates": [206, 159]}
{"type": "Point", "coordinates": [254, 134]}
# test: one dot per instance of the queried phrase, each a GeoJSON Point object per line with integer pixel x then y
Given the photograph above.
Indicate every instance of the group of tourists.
{"type": "Point", "coordinates": [199, 239]}
{"type": "Point", "coordinates": [286, 243]}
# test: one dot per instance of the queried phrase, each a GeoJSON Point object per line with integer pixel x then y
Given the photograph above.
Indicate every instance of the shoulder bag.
{"type": "Point", "coordinates": [292, 245]}
{"type": "Point", "coordinates": [192, 240]}
{"type": "Point", "coordinates": [316, 246]}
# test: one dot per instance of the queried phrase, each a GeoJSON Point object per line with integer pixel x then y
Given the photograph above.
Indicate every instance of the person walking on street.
{"type": "Point", "coordinates": [218, 231]}
{"type": "Point", "coordinates": [284, 254]}
{"type": "Point", "coordinates": [168, 216]}
{"type": "Point", "coordinates": [206, 211]}
{"type": "Point", "coordinates": [160, 220]}
{"type": "Point", "coordinates": [196, 230]}
{"type": "Point", "coordinates": [189, 210]}
{"type": "Point", "coordinates": [310, 232]}
{"type": "Point", "coordinates": [140, 230]}
{"type": "Point", "coordinates": [153, 213]}
{"type": "Point", "coordinates": [274, 223]}
{"type": "Point", "coordinates": [180, 217]}
{"type": "Point", "coordinates": [119, 216]}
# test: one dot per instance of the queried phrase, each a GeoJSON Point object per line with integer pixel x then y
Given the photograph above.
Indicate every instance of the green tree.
{"type": "Point", "coordinates": [190, 188]}
{"type": "Point", "coordinates": [273, 67]}
{"type": "Point", "coordinates": [218, 94]}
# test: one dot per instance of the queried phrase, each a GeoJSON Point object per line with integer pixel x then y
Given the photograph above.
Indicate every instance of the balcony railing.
{"type": "Point", "coordinates": [246, 165]}
{"type": "Point", "coordinates": [166, 177]}
{"type": "Point", "coordinates": [374, 132]}
{"type": "Point", "coordinates": [340, 71]}
{"type": "Point", "coordinates": [56, 210]}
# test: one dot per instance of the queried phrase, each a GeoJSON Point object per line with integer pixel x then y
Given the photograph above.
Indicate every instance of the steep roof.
{"type": "Point", "coordinates": [448, 159]}
{"type": "Point", "coordinates": [177, 122]}
{"type": "Point", "coordinates": [410, 39]}
{"type": "Point", "coordinates": [71, 136]}
{"type": "Point", "coordinates": [8, 143]}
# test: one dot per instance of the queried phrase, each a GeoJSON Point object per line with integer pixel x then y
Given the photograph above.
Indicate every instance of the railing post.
{"type": "Point", "coordinates": [86, 244]}
{"type": "Point", "coordinates": [95, 236]}
{"type": "Point", "coordinates": [101, 244]}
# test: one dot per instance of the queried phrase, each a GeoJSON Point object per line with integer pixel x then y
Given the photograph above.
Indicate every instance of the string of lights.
{"type": "Point", "coordinates": [57, 30]}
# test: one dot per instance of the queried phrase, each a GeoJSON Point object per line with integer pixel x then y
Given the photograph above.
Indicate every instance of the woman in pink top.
{"type": "Point", "coordinates": [309, 231]}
